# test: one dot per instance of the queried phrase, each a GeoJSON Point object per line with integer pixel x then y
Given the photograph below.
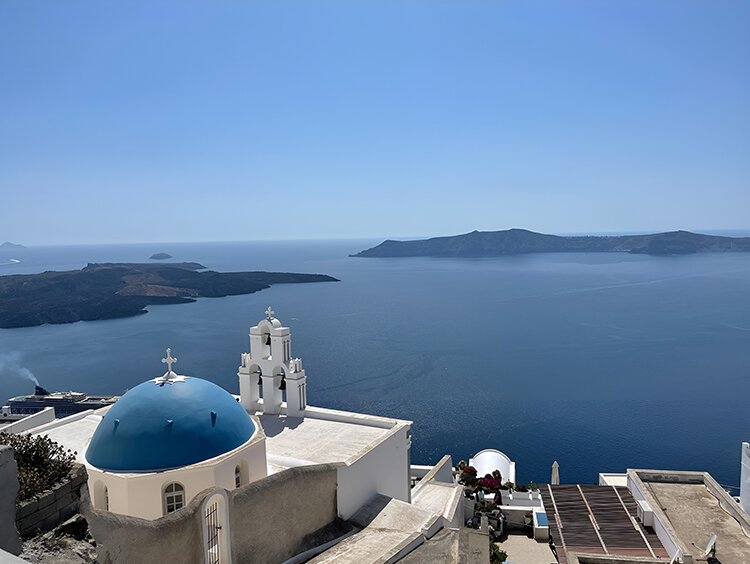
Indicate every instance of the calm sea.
{"type": "Point", "coordinates": [599, 361]}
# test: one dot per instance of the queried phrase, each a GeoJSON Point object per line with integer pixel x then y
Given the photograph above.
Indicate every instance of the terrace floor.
{"type": "Point", "coordinates": [524, 550]}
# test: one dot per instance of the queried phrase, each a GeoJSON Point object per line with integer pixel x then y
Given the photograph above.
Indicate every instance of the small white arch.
{"type": "Point", "coordinates": [490, 459]}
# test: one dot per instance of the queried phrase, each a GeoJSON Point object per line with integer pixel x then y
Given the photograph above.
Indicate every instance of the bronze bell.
{"type": "Point", "coordinates": [260, 379]}
{"type": "Point", "coordinates": [268, 338]}
{"type": "Point", "coordinates": [282, 386]}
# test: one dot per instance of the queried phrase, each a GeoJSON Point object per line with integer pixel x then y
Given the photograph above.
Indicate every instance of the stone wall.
{"type": "Point", "coordinates": [284, 514]}
{"type": "Point", "coordinates": [9, 539]}
{"type": "Point", "coordinates": [47, 510]}
{"type": "Point", "coordinates": [177, 537]}
{"type": "Point", "coordinates": [270, 520]}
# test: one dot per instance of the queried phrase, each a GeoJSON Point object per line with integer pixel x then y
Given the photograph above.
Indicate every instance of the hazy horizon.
{"type": "Point", "coordinates": [189, 121]}
{"type": "Point", "coordinates": [719, 232]}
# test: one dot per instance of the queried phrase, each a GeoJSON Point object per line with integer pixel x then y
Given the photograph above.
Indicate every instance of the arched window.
{"type": "Point", "coordinates": [241, 474]}
{"type": "Point", "coordinates": [101, 496]}
{"type": "Point", "coordinates": [174, 497]}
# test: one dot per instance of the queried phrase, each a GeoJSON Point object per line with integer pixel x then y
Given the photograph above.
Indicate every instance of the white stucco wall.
{"type": "Point", "coordinates": [613, 479]}
{"type": "Point", "coordinates": [490, 459]}
{"type": "Point", "coordinates": [745, 479]}
{"type": "Point", "coordinates": [140, 495]}
{"type": "Point", "coordinates": [665, 537]}
{"type": "Point", "coordinates": [382, 470]}
{"type": "Point", "coordinates": [42, 417]}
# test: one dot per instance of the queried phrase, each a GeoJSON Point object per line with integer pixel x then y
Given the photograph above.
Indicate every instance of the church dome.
{"type": "Point", "coordinates": [169, 422]}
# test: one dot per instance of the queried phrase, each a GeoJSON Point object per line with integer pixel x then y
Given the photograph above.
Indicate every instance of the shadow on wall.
{"type": "Point", "coordinates": [9, 539]}
{"type": "Point", "coordinates": [273, 426]}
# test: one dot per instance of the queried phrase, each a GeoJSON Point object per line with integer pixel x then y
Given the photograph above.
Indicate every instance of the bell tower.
{"type": "Point", "coordinates": [268, 372]}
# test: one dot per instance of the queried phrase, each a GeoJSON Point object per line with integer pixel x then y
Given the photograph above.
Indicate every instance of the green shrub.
{"type": "Point", "coordinates": [483, 506]}
{"type": "Point", "coordinates": [496, 555]}
{"type": "Point", "coordinates": [42, 463]}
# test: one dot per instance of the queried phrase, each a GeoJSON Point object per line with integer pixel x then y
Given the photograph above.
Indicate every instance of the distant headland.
{"type": "Point", "coordinates": [160, 256]}
{"type": "Point", "coordinates": [522, 241]}
{"type": "Point", "coordinates": [114, 290]}
{"type": "Point", "coordinates": [8, 245]}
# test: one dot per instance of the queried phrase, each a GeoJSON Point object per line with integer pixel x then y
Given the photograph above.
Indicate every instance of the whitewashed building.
{"type": "Point", "coordinates": [180, 442]}
{"type": "Point", "coordinates": [172, 437]}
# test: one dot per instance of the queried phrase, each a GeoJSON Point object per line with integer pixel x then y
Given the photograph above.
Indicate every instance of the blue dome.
{"type": "Point", "coordinates": [158, 426]}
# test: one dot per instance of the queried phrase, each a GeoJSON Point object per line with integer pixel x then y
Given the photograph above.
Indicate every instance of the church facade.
{"type": "Point", "coordinates": [174, 436]}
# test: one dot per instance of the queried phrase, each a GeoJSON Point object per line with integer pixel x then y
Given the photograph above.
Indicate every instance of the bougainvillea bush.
{"type": "Point", "coordinates": [468, 476]}
{"type": "Point", "coordinates": [42, 463]}
{"type": "Point", "coordinates": [489, 484]}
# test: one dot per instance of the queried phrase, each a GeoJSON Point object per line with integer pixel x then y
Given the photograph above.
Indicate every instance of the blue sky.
{"type": "Point", "coordinates": [191, 121]}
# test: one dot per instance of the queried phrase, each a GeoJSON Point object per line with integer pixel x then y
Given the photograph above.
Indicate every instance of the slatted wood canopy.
{"type": "Point", "coordinates": [598, 520]}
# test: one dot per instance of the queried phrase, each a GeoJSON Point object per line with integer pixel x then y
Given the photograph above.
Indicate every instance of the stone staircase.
{"type": "Point", "coordinates": [391, 529]}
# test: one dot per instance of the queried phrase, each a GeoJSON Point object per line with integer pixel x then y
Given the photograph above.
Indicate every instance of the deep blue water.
{"type": "Point", "coordinates": [601, 361]}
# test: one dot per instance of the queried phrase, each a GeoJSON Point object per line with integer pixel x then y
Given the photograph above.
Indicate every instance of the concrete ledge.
{"type": "Point", "coordinates": [372, 546]}
{"type": "Point", "coordinates": [581, 558]}
{"type": "Point", "coordinates": [7, 558]}
{"type": "Point", "coordinates": [309, 554]}
{"type": "Point", "coordinates": [46, 415]}
{"type": "Point", "coordinates": [442, 472]}
{"type": "Point", "coordinates": [59, 422]}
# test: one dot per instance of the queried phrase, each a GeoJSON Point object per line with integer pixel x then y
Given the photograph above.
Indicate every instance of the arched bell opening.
{"type": "Point", "coordinates": [265, 343]}
{"type": "Point", "coordinates": [280, 371]}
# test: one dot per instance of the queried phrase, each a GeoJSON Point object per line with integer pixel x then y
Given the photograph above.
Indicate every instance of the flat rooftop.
{"type": "Point", "coordinates": [74, 434]}
{"type": "Point", "coordinates": [696, 513]}
{"type": "Point", "coordinates": [292, 441]}
{"type": "Point", "coordinates": [324, 436]}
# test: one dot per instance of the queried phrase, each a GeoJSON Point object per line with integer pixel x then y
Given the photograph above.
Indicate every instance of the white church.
{"type": "Point", "coordinates": [178, 445]}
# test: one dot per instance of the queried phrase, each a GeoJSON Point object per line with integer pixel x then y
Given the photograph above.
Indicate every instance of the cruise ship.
{"type": "Point", "coordinates": [65, 403]}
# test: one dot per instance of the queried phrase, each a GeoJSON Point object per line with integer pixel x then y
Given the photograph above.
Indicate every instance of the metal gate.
{"type": "Point", "coordinates": [213, 528]}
